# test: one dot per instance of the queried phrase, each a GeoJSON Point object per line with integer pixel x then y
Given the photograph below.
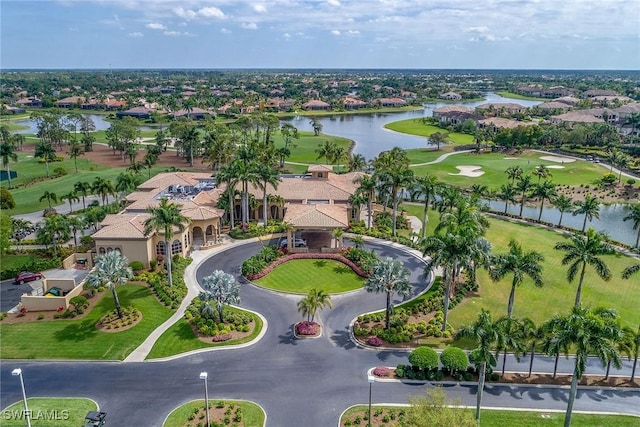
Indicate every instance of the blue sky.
{"type": "Point", "coordinates": [519, 34]}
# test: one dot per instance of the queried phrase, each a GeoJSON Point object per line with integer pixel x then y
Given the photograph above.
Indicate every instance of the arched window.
{"type": "Point", "coordinates": [160, 248]}
{"type": "Point", "coordinates": [102, 251]}
{"type": "Point", "coordinates": [109, 249]}
{"type": "Point", "coordinates": [176, 247]}
{"type": "Point", "coordinates": [186, 240]}
{"type": "Point", "coordinates": [118, 250]}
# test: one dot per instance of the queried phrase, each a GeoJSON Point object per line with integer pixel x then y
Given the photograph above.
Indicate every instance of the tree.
{"type": "Point", "coordinates": [75, 151]}
{"type": "Point", "coordinates": [485, 333]}
{"type": "Point", "coordinates": [82, 188]}
{"type": "Point", "coordinates": [585, 250]}
{"type": "Point", "coordinates": [439, 138]}
{"type": "Point", "coordinates": [317, 126]}
{"type": "Point", "coordinates": [357, 163]}
{"type": "Point", "coordinates": [508, 194]}
{"type": "Point", "coordinates": [111, 270]}
{"type": "Point", "coordinates": [589, 207]}
{"type": "Point", "coordinates": [510, 338]}
{"type": "Point", "coordinates": [427, 187]}
{"type": "Point", "coordinates": [222, 288]}
{"type": "Point", "coordinates": [103, 188]}
{"type": "Point", "coordinates": [454, 359]}
{"type": "Point", "coordinates": [314, 301]}
{"type": "Point", "coordinates": [49, 196]}
{"type": "Point", "coordinates": [634, 216]}
{"type": "Point", "coordinates": [514, 173]}
{"type": "Point", "coordinates": [545, 190]}
{"type": "Point", "coordinates": [424, 357]}
{"type": "Point", "coordinates": [532, 336]}
{"type": "Point", "coordinates": [367, 188]}
{"type": "Point", "coordinates": [70, 197]}
{"type": "Point", "coordinates": [326, 150]}
{"type": "Point", "coordinates": [563, 204]}
{"type": "Point", "coordinates": [76, 223]}
{"type": "Point", "coordinates": [435, 410]}
{"type": "Point", "coordinates": [588, 333]}
{"type": "Point", "coordinates": [390, 277]}
{"type": "Point", "coordinates": [164, 218]}
{"type": "Point", "coordinates": [542, 171]}
{"type": "Point", "coordinates": [631, 270]}
{"type": "Point", "coordinates": [53, 230]}
{"type": "Point", "coordinates": [635, 349]}
{"type": "Point", "coordinates": [8, 154]}
{"type": "Point", "coordinates": [6, 199]}
{"type": "Point", "coordinates": [6, 231]}
{"type": "Point", "coordinates": [267, 175]}
{"type": "Point", "coordinates": [520, 264]}
{"type": "Point", "coordinates": [45, 151]}
{"type": "Point", "coordinates": [524, 186]}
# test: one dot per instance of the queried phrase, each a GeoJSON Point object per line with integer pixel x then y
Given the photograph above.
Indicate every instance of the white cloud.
{"type": "Point", "coordinates": [178, 34]}
{"type": "Point", "coordinates": [184, 13]}
{"type": "Point", "coordinates": [225, 31]}
{"type": "Point", "coordinates": [286, 36]}
{"type": "Point", "coordinates": [335, 32]}
{"type": "Point", "coordinates": [335, 3]}
{"type": "Point", "coordinates": [353, 32]}
{"type": "Point", "coordinates": [155, 26]}
{"type": "Point", "coordinates": [74, 29]}
{"type": "Point", "coordinates": [136, 34]}
{"type": "Point", "coordinates": [259, 8]}
{"type": "Point", "coordinates": [249, 25]}
{"type": "Point", "coordinates": [211, 12]}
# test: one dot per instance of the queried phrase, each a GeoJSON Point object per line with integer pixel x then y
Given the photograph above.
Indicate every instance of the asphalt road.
{"type": "Point", "coordinates": [298, 382]}
{"type": "Point", "coordinates": [10, 293]}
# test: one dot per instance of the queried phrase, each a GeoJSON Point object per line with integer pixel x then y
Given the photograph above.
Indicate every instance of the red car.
{"type": "Point", "coordinates": [27, 276]}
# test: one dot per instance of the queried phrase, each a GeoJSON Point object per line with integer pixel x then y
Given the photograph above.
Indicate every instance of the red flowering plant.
{"type": "Point", "coordinates": [381, 371]}
{"type": "Point", "coordinates": [307, 328]}
{"type": "Point", "coordinates": [375, 342]}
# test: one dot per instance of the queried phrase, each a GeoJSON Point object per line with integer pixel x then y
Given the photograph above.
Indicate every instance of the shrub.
{"type": "Point", "coordinates": [79, 304]}
{"type": "Point", "coordinates": [60, 171]}
{"type": "Point", "coordinates": [424, 358]}
{"type": "Point", "coordinates": [6, 199]}
{"type": "Point", "coordinates": [631, 181]}
{"type": "Point", "coordinates": [40, 316]}
{"type": "Point", "coordinates": [381, 371]}
{"type": "Point", "coordinates": [136, 266]}
{"type": "Point", "coordinates": [454, 359]}
{"type": "Point", "coordinates": [307, 328]}
{"type": "Point", "coordinates": [375, 341]}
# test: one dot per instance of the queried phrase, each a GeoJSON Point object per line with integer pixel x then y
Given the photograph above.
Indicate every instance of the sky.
{"type": "Point", "coordinates": [416, 34]}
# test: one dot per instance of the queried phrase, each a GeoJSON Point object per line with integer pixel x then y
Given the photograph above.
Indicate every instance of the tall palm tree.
{"type": "Point", "coordinates": [427, 187]}
{"type": "Point", "coordinates": [54, 229]}
{"type": "Point", "coordinates": [357, 163]}
{"type": "Point", "coordinates": [399, 178]}
{"type": "Point", "coordinates": [70, 197]}
{"type": "Point", "coordinates": [102, 187]}
{"type": "Point", "coordinates": [111, 270]}
{"type": "Point", "coordinates": [485, 333]}
{"type": "Point", "coordinates": [222, 288]}
{"type": "Point", "coordinates": [367, 187]}
{"type": "Point", "coordinates": [563, 204]}
{"type": "Point", "coordinates": [227, 175]}
{"type": "Point", "coordinates": [533, 336]}
{"type": "Point", "coordinates": [326, 150]}
{"type": "Point", "coordinates": [75, 150]}
{"type": "Point", "coordinates": [589, 207]}
{"type": "Point", "coordinates": [45, 151]}
{"type": "Point", "coordinates": [634, 216]}
{"type": "Point", "coordinates": [635, 350]}
{"type": "Point", "coordinates": [8, 154]}
{"type": "Point", "coordinates": [524, 186]}
{"type": "Point", "coordinates": [544, 191]}
{"type": "Point", "coordinates": [76, 223]}
{"type": "Point", "coordinates": [267, 175]}
{"type": "Point", "coordinates": [542, 171]}
{"type": "Point", "coordinates": [164, 218]}
{"type": "Point", "coordinates": [585, 250]}
{"type": "Point", "coordinates": [508, 194]}
{"type": "Point", "coordinates": [514, 173]}
{"type": "Point", "coordinates": [511, 338]}
{"type": "Point", "coordinates": [314, 301]}
{"type": "Point", "coordinates": [588, 333]}
{"type": "Point", "coordinates": [520, 264]}
{"type": "Point", "coordinates": [391, 277]}
{"type": "Point", "coordinates": [49, 196]}
{"type": "Point", "coordinates": [82, 188]}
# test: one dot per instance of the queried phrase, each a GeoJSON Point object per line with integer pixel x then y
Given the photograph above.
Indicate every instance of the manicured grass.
{"type": "Point", "coordinates": [49, 412]}
{"type": "Point", "coordinates": [500, 418]}
{"type": "Point", "coordinates": [305, 146]}
{"type": "Point", "coordinates": [252, 414]}
{"type": "Point", "coordinates": [11, 261]}
{"type": "Point", "coordinates": [179, 338]}
{"type": "Point", "coordinates": [507, 94]}
{"type": "Point", "coordinates": [418, 127]}
{"type": "Point", "coordinates": [301, 275]}
{"type": "Point", "coordinates": [494, 166]}
{"type": "Point", "coordinates": [79, 339]}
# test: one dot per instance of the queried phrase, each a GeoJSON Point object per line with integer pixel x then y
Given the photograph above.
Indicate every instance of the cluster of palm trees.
{"type": "Point", "coordinates": [99, 186]}
{"type": "Point", "coordinates": [315, 300]}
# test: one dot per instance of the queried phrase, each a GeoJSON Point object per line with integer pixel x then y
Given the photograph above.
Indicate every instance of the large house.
{"type": "Point", "coordinates": [313, 205]}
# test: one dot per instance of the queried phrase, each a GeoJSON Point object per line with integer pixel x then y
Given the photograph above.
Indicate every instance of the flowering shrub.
{"type": "Point", "coordinates": [381, 371]}
{"type": "Point", "coordinates": [222, 337]}
{"type": "Point", "coordinates": [375, 341]}
{"type": "Point", "coordinates": [335, 257]}
{"type": "Point", "coordinates": [307, 328]}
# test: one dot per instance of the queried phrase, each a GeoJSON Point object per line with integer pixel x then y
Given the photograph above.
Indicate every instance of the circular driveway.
{"type": "Point", "coordinates": [297, 382]}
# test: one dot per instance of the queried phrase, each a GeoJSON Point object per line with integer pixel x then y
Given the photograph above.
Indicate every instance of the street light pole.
{"type": "Point", "coordinates": [18, 372]}
{"type": "Point", "coordinates": [371, 379]}
{"type": "Point", "coordinates": [204, 376]}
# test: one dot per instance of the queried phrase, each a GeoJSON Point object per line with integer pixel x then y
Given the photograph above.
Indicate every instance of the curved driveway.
{"type": "Point", "coordinates": [298, 382]}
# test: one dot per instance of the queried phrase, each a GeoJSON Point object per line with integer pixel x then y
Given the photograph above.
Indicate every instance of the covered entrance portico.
{"type": "Point", "coordinates": [205, 225]}
{"type": "Point", "coordinates": [317, 225]}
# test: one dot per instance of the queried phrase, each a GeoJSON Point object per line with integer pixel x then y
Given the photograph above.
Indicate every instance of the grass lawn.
{"type": "Point", "coordinates": [507, 94]}
{"type": "Point", "coordinates": [418, 127]}
{"type": "Point", "coordinates": [305, 147]}
{"type": "Point", "coordinates": [79, 339]}
{"type": "Point", "coordinates": [11, 261]}
{"type": "Point", "coordinates": [252, 414]}
{"type": "Point", "coordinates": [49, 412]}
{"type": "Point", "coordinates": [500, 418]}
{"type": "Point", "coordinates": [494, 166]}
{"type": "Point", "coordinates": [179, 338]}
{"type": "Point", "coordinates": [301, 275]}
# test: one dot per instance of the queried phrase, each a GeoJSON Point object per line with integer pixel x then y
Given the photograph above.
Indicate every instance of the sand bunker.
{"type": "Point", "coordinates": [470, 171]}
{"type": "Point", "coordinates": [555, 167]}
{"type": "Point", "coordinates": [511, 158]}
{"type": "Point", "coordinates": [558, 159]}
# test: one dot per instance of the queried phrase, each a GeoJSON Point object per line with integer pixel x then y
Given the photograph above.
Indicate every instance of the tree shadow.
{"type": "Point", "coordinates": [77, 331]}
{"type": "Point", "coordinates": [319, 263]}
{"type": "Point", "coordinates": [341, 269]}
{"type": "Point", "coordinates": [342, 338]}
{"type": "Point", "coordinates": [288, 338]}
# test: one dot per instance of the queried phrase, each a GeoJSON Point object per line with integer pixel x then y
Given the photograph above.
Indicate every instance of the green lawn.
{"type": "Point", "coordinates": [418, 127]}
{"type": "Point", "coordinates": [49, 412]}
{"type": "Point", "coordinates": [11, 261]}
{"type": "Point", "coordinates": [305, 146]}
{"type": "Point", "coordinates": [500, 418]}
{"type": "Point", "coordinates": [301, 275]}
{"type": "Point", "coordinates": [179, 338]}
{"type": "Point", "coordinates": [252, 414]}
{"type": "Point", "coordinates": [494, 166]}
{"type": "Point", "coordinates": [79, 339]}
{"type": "Point", "coordinates": [507, 94]}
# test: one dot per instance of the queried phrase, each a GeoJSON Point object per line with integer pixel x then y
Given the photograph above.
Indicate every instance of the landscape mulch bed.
{"type": "Point", "coordinates": [49, 315]}
{"type": "Point", "coordinates": [235, 335]}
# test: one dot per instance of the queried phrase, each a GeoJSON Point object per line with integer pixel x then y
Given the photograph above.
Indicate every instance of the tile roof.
{"type": "Point", "coordinates": [330, 216]}
{"type": "Point", "coordinates": [200, 213]}
{"type": "Point", "coordinates": [122, 226]}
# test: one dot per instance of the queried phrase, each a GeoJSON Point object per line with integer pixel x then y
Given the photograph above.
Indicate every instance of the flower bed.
{"type": "Point", "coordinates": [307, 328]}
{"type": "Point", "coordinates": [335, 257]}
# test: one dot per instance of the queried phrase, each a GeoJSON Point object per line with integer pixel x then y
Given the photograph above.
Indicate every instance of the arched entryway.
{"type": "Point", "coordinates": [198, 236]}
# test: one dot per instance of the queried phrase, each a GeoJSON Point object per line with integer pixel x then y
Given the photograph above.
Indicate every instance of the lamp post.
{"type": "Point", "coordinates": [371, 379]}
{"type": "Point", "coordinates": [204, 376]}
{"type": "Point", "coordinates": [18, 373]}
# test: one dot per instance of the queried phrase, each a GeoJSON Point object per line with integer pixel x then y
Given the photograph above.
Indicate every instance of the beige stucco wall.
{"type": "Point", "coordinates": [42, 303]}
{"type": "Point", "coordinates": [70, 261]}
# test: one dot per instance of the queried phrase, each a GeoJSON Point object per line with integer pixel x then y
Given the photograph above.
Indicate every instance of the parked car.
{"type": "Point", "coordinates": [27, 276]}
{"type": "Point", "coordinates": [95, 419]}
{"type": "Point", "coordinates": [298, 243]}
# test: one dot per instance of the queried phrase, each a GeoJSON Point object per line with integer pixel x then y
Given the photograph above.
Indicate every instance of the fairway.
{"type": "Point", "coordinates": [418, 127]}
{"type": "Point", "coordinates": [301, 275]}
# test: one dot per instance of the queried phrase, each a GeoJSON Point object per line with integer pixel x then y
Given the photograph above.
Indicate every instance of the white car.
{"type": "Point", "coordinates": [298, 243]}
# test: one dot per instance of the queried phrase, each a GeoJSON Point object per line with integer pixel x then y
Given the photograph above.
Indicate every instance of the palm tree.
{"type": "Point", "coordinates": [485, 333]}
{"type": "Point", "coordinates": [563, 204]}
{"type": "Point", "coordinates": [587, 332]}
{"type": "Point", "coordinates": [367, 188]}
{"type": "Point", "coordinates": [70, 197]}
{"type": "Point", "coordinates": [357, 163]}
{"type": "Point", "coordinates": [76, 223]}
{"type": "Point", "coordinates": [314, 301]}
{"type": "Point", "coordinates": [520, 264]}
{"type": "Point", "coordinates": [164, 218]}
{"type": "Point", "coordinates": [508, 194]}
{"type": "Point", "coordinates": [634, 216]}
{"type": "Point", "coordinates": [427, 187]}
{"type": "Point", "coordinates": [510, 338]}
{"type": "Point", "coordinates": [126, 182]}
{"type": "Point", "coordinates": [227, 175]}
{"type": "Point", "coordinates": [267, 175]}
{"type": "Point", "coordinates": [513, 173]}
{"type": "Point", "coordinates": [111, 270]}
{"type": "Point", "coordinates": [55, 228]}
{"type": "Point", "coordinates": [542, 171]}
{"type": "Point", "coordinates": [589, 207]}
{"type": "Point", "coordinates": [582, 251]}
{"type": "Point", "coordinates": [326, 150]}
{"type": "Point", "coordinates": [533, 335]}
{"type": "Point", "coordinates": [631, 270]}
{"type": "Point", "coordinates": [391, 277]}
{"type": "Point", "coordinates": [49, 196]}
{"type": "Point", "coordinates": [8, 154]}
{"type": "Point", "coordinates": [102, 187]}
{"type": "Point", "coordinates": [544, 190]}
{"type": "Point", "coordinates": [222, 288]}
{"type": "Point", "coordinates": [524, 185]}
{"type": "Point", "coordinates": [45, 151]}
{"type": "Point", "coordinates": [635, 349]}
{"type": "Point", "coordinates": [82, 188]}
{"type": "Point", "coordinates": [75, 151]}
